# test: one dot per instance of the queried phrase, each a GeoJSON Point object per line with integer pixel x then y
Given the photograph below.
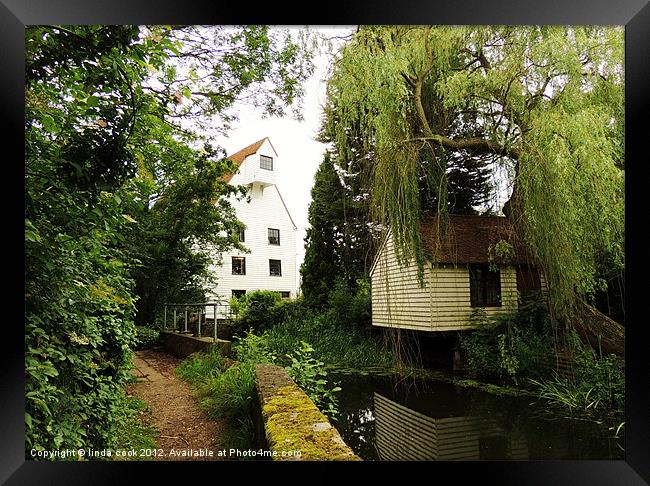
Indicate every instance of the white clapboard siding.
{"type": "Point", "coordinates": [264, 210]}
{"type": "Point", "coordinates": [403, 434]}
{"type": "Point", "coordinates": [443, 304]}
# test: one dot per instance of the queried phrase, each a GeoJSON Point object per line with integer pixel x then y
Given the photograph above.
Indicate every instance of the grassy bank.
{"type": "Point", "coordinates": [224, 390]}
{"type": "Point", "coordinates": [136, 433]}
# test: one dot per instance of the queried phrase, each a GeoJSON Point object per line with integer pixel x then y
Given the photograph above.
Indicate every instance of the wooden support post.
{"type": "Point", "coordinates": [165, 319]}
{"type": "Point", "coordinates": [175, 320]}
{"type": "Point", "coordinates": [185, 329]}
{"type": "Point", "coordinates": [214, 309]}
{"type": "Point", "coordinates": [199, 324]}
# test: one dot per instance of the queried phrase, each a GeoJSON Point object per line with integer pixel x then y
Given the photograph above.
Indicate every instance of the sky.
{"type": "Point", "coordinates": [299, 154]}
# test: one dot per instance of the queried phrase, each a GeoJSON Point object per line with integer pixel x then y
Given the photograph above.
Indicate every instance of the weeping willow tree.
{"type": "Point", "coordinates": [546, 104]}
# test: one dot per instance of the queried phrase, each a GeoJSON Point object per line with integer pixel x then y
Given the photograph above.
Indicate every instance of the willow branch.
{"type": "Point", "coordinates": [418, 87]}
{"type": "Point", "coordinates": [477, 145]}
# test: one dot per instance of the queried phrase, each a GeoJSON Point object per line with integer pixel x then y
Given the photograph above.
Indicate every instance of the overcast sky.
{"type": "Point", "coordinates": [299, 154]}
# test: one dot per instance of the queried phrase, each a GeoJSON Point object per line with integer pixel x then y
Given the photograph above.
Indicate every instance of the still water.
{"type": "Point", "coordinates": [386, 418]}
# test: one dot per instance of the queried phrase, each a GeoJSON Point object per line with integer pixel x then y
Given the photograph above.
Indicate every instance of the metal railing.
{"type": "Point", "coordinates": [200, 310]}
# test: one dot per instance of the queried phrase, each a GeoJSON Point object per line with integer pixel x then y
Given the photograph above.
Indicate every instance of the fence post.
{"type": "Point", "coordinates": [165, 319]}
{"type": "Point", "coordinates": [175, 320]}
{"type": "Point", "coordinates": [185, 329]}
{"type": "Point", "coordinates": [199, 324]}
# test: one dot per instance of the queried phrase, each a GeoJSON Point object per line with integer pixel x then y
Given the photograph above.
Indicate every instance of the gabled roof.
{"type": "Point", "coordinates": [286, 208]}
{"type": "Point", "coordinates": [468, 238]}
{"type": "Point", "coordinates": [240, 156]}
{"type": "Point", "coordinates": [467, 241]}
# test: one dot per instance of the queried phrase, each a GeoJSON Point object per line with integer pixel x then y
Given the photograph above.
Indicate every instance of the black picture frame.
{"type": "Point", "coordinates": [634, 14]}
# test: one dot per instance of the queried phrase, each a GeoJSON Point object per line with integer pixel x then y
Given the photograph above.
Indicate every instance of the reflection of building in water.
{"type": "Point", "coordinates": [404, 434]}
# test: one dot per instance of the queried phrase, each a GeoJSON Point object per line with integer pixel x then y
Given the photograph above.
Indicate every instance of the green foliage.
{"type": "Point", "coordinates": [598, 388]}
{"type": "Point", "coordinates": [350, 307]}
{"type": "Point", "coordinates": [118, 193]}
{"type": "Point", "coordinates": [500, 253]}
{"type": "Point", "coordinates": [510, 345]}
{"type": "Point", "coordinates": [135, 433]}
{"type": "Point", "coordinates": [257, 310]}
{"type": "Point", "coordinates": [543, 104]}
{"type": "Point", "coordinates": [308, 372]}
{"type": "Point", "coordinates": [338, 333]}
{"type": "Point", "coordinates": [604, 375]}
{"type": "Point", "coordinates": [224, 390]}
{"type": "Point", "coordinates": [310, 375]}
{"type": "Point", "coordinates": [146, 337]}
{"type": "Point", "coordinates": [333, 344]}
{"type": "Point", "coordinates": [254, 348]}
{"type": "Point", "coordinates": [198, 367]}
{"type": "Point", "coordinates": [338, 244]}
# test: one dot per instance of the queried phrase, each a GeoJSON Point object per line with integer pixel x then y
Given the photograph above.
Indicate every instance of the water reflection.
{"type": "Point", "coordinates": [385, 419]}
{"type": "Point", "coordinates": [404, 434]}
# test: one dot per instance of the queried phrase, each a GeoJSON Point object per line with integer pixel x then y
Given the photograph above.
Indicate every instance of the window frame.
{"type": "Point", "coordinates": [232, 263]}
{"type": "Point", "coordinates": [269, 236]}
{"type": "Point", "coordinates": [271, 274]}
{"type": "Point", "coordinates": [266, 158]}
{"type": "Point", "coordinates": [241, 293]}
{"type": "Point", "coordinates": [484, 286]}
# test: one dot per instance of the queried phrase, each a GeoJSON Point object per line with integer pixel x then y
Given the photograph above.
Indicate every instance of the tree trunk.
{"type": "Point", "coordinates": [599, 331]}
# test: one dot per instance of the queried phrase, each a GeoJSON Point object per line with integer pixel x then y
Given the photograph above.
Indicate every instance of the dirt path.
{"type": "Point", "coordinates": [184, 429]}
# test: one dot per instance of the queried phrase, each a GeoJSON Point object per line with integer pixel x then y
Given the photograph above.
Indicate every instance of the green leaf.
{"type": "Point", "coordinates": [48, 123]}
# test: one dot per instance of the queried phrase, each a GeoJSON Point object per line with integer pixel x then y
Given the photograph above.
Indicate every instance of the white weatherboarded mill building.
{"type": "Point", "coordinates": [460, 281]}
{"type": "Point", "coordinates": [270, 232]}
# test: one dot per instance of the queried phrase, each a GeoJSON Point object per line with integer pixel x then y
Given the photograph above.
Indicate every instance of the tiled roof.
{"type": "Point", "coordinates": [238, 157]}
{"type": "Point", "coordinates": [468, 238]}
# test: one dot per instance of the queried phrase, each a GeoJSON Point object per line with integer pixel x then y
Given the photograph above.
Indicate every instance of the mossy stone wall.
{"type": "Point", "coordinates": [293, 423]}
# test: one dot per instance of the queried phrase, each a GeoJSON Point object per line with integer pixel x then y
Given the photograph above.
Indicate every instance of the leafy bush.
{"type": "Point", "coordinates": [146, 337]}
{"type": "Point", "coordinates": [257, 310]}
{"type": "Point", "coordinates": [510, 345]}
{"type": "Point", "coordinates": [333, 343]}
{"type": "Point", "coordinates": [310, 375]}
{"type": "Point", "coordinates": [254, 348]}
{"type": "Point", "coordinates": [308, 372]}
{"type": "Point", "coordinates": [351, 307]}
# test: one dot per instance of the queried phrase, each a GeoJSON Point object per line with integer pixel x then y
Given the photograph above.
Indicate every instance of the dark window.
{"type": "Point", "coordinates": [285, 295]}
{"type": "Point", "coordinates": [238, 293]}
{"type": "Point", "coordinates": [274, 236]}
{"type": "Point", "coordinates": [275, 268]}
{"type": "Point", "coordinates": [485, 286]}
{"type": "Point", "coordinates": [238, 265]}
{"type": "Point", "coordinates": [266, 162]}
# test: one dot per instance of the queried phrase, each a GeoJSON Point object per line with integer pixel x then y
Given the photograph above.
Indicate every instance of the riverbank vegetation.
{"type": "Point", "coordinates": [524, 348]}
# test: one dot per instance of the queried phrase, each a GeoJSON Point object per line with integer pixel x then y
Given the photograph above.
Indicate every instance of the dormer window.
{"type": "Point", "coordinates": [266, 162]}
